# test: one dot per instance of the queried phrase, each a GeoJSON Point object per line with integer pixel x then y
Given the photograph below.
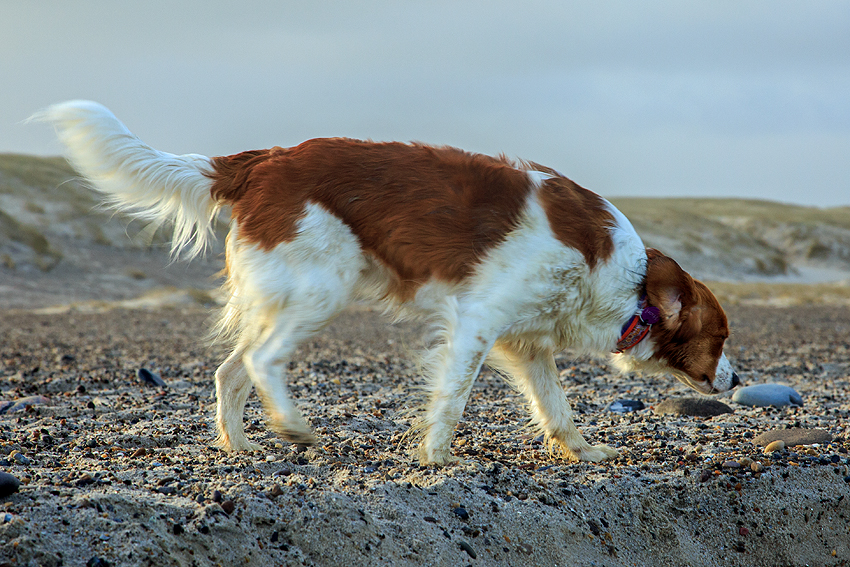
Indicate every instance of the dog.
{"type": "Point", "coordinates": [513, 261]}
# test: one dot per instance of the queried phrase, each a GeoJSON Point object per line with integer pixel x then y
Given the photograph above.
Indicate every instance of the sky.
{"type": "Point", "coordinates": [724, 98]}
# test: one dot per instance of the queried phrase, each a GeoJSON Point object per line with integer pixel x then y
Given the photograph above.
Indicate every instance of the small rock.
{"type": "Point", "coordinates": [140, 452]}
{"type": "Point", "coordinates": [19, 458]}
{"type": "Point", "coordinates": [468, 549]}
{"type": "Point", "coordinates": [731, 465]}
{"type": "Point", "coordinates": [461, 513]}
{"type": "Point", "coordinates": [276, 491]}
{"type": "Point", "coordinates": [8, 484]}
{"type": "Point", "coordinates": [626, 406]}
{"type": "Point", "coordinates": [774, 446]}
{"type": "Point", "coordinates": [793, 436]}
{"type": "Point", "coordinates": [151, 378]}
{"type": "Point", "coordinates": [767, 395]}
{"type": "Point", "coordinates": [22, 403]}
{"type": "Point", "coordinates": [699, 407]}
{"type": "Point", "coordinates": [228, 506]}
{"type": "Point", "coordinates": [177, 529]}
{"type": "Point", "coordinates": [216, 496]}
{"type": "Point", "coordinates": [85, 480]}
{"type": "Point", "coordinates": [756, 467]}
{"type": "Point", "coordinates": [98, 562]}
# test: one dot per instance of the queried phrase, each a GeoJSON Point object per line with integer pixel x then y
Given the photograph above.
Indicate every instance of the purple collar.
{"type": "Point", "coordinates": [638, 326]}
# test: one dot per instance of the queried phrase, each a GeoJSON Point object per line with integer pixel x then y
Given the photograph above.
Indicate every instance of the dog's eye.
{"type": "Point", "coordinates": [705, 377]}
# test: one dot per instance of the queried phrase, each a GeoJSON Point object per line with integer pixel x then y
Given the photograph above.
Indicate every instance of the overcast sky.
{"type": "Point", "coordinates": [649, 98]}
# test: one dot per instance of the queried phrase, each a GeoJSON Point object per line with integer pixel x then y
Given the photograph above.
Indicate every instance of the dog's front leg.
{"type": "Point", "coordinates": [532, 370]}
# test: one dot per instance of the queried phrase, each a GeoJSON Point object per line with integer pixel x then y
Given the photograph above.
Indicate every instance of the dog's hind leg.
{"type": "Point", "coordinates": [532, 370]}
{"type": "Point", "coordinates": [267, 358]}
{"type": "Point", "coordinates": [232, 386]}
{"type": "Point", "coordinates": [453, 364]}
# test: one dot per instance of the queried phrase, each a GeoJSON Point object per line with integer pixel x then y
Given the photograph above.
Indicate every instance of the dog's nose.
{"type": "Point", "coordinates": [735, 379]}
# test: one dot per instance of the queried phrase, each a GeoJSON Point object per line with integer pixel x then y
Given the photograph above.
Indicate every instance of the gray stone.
{"type": "Point", "coordinates": [21, 403]}
{"type": "Point", "coordinates": [8, 484]}
{"type": "Point", "coordinates": [699, 407]}
{"type": "Point", "coordinates": [793, 436]}
{"type": "Point", "coordinates": [767, 395]}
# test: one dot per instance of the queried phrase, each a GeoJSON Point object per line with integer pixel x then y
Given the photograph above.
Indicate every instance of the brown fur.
{"type": "Point", "coordinates": [578, 218]}
{"type": "Point", "coordinates": [694, 326]}
{"type": "Point", "coordinates": [424, 212]}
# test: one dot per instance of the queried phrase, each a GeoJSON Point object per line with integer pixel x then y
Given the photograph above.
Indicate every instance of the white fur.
{"type": "Point", "coordinates": [152, 185]}
{"type": "Point", "coordinates": [528, 298]}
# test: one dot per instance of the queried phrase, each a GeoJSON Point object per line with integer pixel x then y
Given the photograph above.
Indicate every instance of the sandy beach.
{"type": "Point", "coordinates": [118, 472]}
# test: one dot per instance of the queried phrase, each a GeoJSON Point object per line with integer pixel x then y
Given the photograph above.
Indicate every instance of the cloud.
{"type": "Point", "coordinates": [720, 98]}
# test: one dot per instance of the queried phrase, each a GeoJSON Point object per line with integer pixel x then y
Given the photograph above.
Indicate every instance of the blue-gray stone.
{"type": "Point", "coordinates": [21, 403]}
{"type": "Point", "coordinates": [151, 378]}
{"type": "Point", "coordinates": [767, 395]}
{"type": "Point", "coordinates": [625, 406]}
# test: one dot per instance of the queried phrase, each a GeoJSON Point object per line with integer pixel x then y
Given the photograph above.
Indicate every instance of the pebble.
{"type": "Point", "coordinates": [461, 513]}
{"type": "Point", "coordinates": [19, 458]}
{"type": "Point", "coordinates": [151, 378]}
{"type": "Point", "coordinates": [699, 407]}
{"type": "Point", "coordinates": [9, 484]}
{"type": "Point", "coordinates": [468, 549]}
{"type": "Point", "coordinates": [22, 403]}
{"type": "Point", "coordinates": [228, 506]}
{"type": "Point", "coordinates": [793, 436]}
{"type": "Point", "coordinates": [774, 446]}
{"type": "Point", "coordinates": [762, 395]}
{"type": "Point", "coordinates": [85, 480]}
{"type": "Point", "coordinates": [626, 406]}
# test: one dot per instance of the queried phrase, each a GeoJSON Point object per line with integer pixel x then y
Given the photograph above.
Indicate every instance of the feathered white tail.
{"type": "Point", "coordinates": [149, 184]}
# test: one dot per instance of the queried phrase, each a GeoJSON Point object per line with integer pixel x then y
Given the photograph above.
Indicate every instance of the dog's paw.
{"type": "Point", "coordinates": [596, 453]}
{"type": "Point", "coordinates": [304, 438]}
{"type": "Point", "coordinates": [232, 444]}
{"type": "Point", "coordinates": [440, 458]}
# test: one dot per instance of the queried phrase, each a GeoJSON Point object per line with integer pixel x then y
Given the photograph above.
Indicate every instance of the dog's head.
{"type": "Point", "coordinates": [688, 340]}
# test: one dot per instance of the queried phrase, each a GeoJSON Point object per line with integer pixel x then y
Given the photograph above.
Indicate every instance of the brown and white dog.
{"type": "Point", "coordinates": [514, 261]}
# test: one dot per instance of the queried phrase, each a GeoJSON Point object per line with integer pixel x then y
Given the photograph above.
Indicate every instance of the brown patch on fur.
{"type": "Point", "coordinates": [694, 327]}
{"type": "Point", "coordinates": [578, 217]}
{"type": "Point", "coordinates": [425, 212]}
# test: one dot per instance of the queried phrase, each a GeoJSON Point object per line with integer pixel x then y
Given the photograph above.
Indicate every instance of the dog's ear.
{"type": "Point", "coordinates": [672, 290]}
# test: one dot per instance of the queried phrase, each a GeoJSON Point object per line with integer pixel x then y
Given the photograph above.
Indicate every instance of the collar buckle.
{"type": "Point", "coordinates": [638, 327]}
